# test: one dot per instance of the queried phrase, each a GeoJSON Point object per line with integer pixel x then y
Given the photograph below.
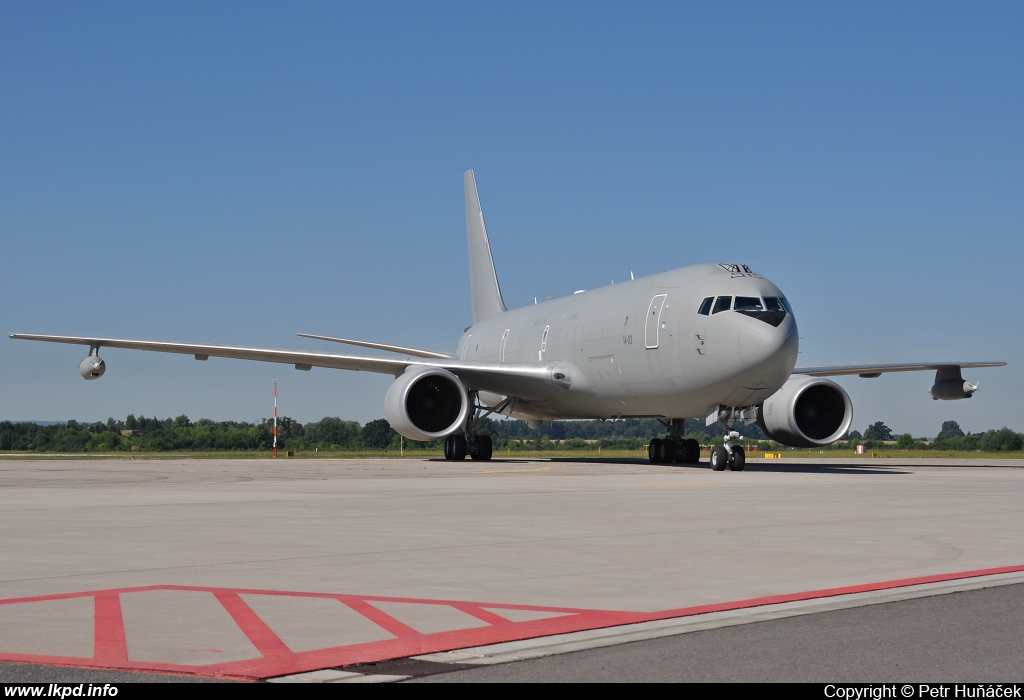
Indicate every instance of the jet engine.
{"type": "Point", "coordinates": [806, 412]}
{"type": "Point", "coordinates": [426, 403]}
{"type": "Point", "coordinates": [92, 367]}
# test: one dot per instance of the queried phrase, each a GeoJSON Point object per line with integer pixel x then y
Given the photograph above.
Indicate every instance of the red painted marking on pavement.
{"type": "Point", "coordinates": [277, 659]}
{"type": "Point", "coordinates": [832, 592]}
{"type": "Point", "coordinates": [481, 614]}
{"type": "Point", "coordinates": [109, 645]}
{"type": "Point", "coordinates": [378, 617]}
{"type": "Point", "coordinates": [261, 636]}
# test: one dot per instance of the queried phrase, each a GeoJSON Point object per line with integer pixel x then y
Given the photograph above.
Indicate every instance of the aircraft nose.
{"type": "Point", "coordinates": [754, 342]}
{"type": "Point", "coordinates": [763, 339]}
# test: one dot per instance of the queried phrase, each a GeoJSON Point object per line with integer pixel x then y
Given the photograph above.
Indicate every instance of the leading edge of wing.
{"type": "Point", "coordinates": [521, 380]}
{"type": "Point", "coordinates": [875, 370]}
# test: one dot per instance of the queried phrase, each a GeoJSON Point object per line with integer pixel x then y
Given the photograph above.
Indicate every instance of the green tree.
{"type": "Point", "coordinates": [878, 431]}
{"type": "Point", "coordinates": [950, 429]}
{"type": "Point", "coordinates": [1002, 440]}
{"type": "Point", "coordinates": [377, 434]}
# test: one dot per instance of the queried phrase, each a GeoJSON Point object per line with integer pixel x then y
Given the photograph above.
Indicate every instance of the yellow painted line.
{"type": "Point", "coordinates": [515, 471]}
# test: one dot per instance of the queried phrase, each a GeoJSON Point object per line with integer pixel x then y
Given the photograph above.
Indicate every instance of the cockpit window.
{"type": "Point", "coordinates": [774, 304]}
{"type": "Point", "coordinates": [705, 306]}
{"type": "Point", "coordinates": [723, 304]}
{"type": "Point", "coordinates": [785, 302]}
{"type": "Point", "coordinates": [748, 304]}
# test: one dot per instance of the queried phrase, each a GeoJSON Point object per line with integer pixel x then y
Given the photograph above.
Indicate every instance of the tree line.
{"type": "Point", "coordinates": [334, 434]}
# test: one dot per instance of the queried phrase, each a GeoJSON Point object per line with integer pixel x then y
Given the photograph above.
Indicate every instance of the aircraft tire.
{"type": "Point", "coordinates": [719, 458]}
{"type": "Point", "coordinates": [666, 452]}
{"type": "Point", "coordinates": [682, 453]}
{"type": "Point", "coordinates": [738, 460]}
{"type": "Point", "coordinates": [458, 447]}
{"type": "Point", "coordinates": [448, 447]}
{"type": "Point", "coordinates": [692, 451]}
{"type": "Point", "coordinates": [484, 448]}
{"type": "Point", "coordinates": [654, 450]}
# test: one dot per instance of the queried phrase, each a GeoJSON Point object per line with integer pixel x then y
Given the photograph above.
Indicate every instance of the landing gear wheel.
{"type": "Point", "coordinates": [682, 454]}
{"type": "Point", "coordinates": [719, 457]}
{"type": "Point", "coordinates": [738, 459]}
{"type": "Point", "coordinates": [455, 447]}
{"type": "Point", "coordinates": [654, 451]}
{"type": "Point", "coordinates": [692, 451]}
{"type": "Point", "coordinates": [667, 452]}
{"type": "Point", "coordinates": [459, 447]}
{"type": "Point", "coordinates": [484, 448]}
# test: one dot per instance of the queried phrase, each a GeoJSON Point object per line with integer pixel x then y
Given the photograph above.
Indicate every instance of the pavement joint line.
{"type": "Point", "coordinates": [507, 652]}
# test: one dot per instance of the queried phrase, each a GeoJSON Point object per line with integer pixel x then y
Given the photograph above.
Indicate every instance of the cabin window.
{"type": "Point", "coordinates": [748, 304]}
{"type": "Point", "coordinates": [723, 304]}
{"type": "Point", "coordinates": [705, 306]}
{"type": "Point", "coordinates": [774, 304]}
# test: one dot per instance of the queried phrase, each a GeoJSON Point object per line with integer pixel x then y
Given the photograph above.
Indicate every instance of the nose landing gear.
{"type": "Point", "coordinates": [729, 454]}
{"type": "Point", "coordinates": [732, 456]}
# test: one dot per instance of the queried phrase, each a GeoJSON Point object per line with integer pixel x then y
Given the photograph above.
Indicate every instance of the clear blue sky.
{"type": "Point", "coordinates": [238, 172]}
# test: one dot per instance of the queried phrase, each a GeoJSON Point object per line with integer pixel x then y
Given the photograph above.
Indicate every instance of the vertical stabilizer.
{"type": "Point", "coordinates": [483, 282]}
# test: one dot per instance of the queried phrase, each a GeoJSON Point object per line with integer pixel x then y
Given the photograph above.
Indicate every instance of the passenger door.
{"type": "Point", "coordinates": [654, 321]}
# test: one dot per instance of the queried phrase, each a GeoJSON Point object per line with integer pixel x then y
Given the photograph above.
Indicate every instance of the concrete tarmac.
{"type": "Point", "coordinates": [257, 568]}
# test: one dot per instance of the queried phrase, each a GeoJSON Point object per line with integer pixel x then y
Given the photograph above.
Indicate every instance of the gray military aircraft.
{"type": "Point", "coordinates": [708, 341]}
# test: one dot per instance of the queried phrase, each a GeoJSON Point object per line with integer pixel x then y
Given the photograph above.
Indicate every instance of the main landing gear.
{"type": "Point", "coordinates": [478, 447]}
{"type": "Point", "coordinates": [673, 449]}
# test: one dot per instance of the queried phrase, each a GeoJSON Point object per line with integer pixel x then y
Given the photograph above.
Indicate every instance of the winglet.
{"type": "Point", "coordinates": [483, 281]}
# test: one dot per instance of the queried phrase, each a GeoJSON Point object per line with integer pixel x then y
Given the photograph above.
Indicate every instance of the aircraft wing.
{"type": "Point", "coordinates": [381, 346]}
{"type": "Point", "coordinates": [525, 381]}
{"type": "Point", "coordinates": [870, 371]}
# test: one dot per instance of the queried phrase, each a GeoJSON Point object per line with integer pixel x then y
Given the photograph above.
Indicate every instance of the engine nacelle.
{"type": "Point", "coordinates": [92, 367]}
{"type": "Point", "coordinates": [806, 412]}
{"type": "Point", "coordinates": [426, 403]}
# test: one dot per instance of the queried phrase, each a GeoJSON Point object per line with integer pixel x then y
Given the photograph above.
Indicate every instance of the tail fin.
{"type": "Point", "coordinates": [483, 282]}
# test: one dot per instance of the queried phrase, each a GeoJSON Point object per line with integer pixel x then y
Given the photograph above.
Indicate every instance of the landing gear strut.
{"type": "Point", "coordinates": [673, 449]}
{"type": "Point", "coordinates": [478, 447]}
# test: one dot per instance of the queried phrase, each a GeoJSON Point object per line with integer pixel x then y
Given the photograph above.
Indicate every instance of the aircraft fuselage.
{"type": "Point", "coordinates": [641, 348]}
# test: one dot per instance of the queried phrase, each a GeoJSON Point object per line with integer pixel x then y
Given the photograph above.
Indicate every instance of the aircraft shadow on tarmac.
{"type": "Point", "coordinates": [801, 468]}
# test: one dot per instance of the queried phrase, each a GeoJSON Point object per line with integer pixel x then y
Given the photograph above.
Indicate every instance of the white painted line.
{"type": "Point", "coordinates": [375, 679]}
{"type": "Point", "coordinates": [610, 636]}
{"type": "Point", "coordinates": [327, 675]}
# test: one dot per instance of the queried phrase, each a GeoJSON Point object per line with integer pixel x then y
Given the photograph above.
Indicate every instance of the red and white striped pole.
{"type": "Point", "coordinates": [275, 419]}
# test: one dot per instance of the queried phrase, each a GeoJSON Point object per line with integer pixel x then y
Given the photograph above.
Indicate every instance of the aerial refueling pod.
{"type": "Point", "coordinates": [950, 385]}
{"type": "Point", "coordinates": [92, 367]}
{"type": "Point", "coordinates": [426, 403]}
{"type": "Point", "coordinates": [806, 412]}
